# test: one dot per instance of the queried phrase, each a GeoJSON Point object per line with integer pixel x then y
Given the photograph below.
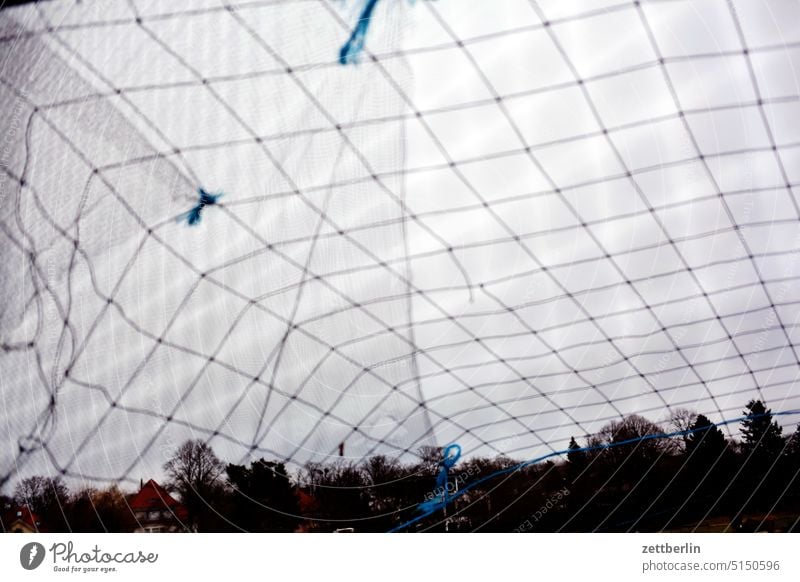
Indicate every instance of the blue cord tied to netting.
{"type": "Point", "coordinates": [355, 44]}
{"type": "Point", "coordinates": [193, 216]}
{"type": "Point", "coordinates": [450, 457]}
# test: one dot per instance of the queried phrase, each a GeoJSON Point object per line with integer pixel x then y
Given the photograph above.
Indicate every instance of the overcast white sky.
{"type": "Point", "coordinates": [542, 229]}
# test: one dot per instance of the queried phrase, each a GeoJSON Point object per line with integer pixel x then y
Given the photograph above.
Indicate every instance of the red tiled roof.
{"type": "Point", "coordinates": [23, 514]}
{"type": "Point", "coordinates": [153, 496]}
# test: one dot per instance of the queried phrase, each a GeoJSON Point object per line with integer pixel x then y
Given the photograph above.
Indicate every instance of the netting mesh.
{"type": "Point", "coordinates": [506, 224]}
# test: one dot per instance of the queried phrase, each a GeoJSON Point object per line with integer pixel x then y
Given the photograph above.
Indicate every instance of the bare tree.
{"type": "Point", "coordinates": [47, 496]}
{"type": "Point", "coordinates": [680, 420]}
{"type": "Point", "coordinates": [194, 471]}
{"type": "Point", "coordinates": [628, 438]}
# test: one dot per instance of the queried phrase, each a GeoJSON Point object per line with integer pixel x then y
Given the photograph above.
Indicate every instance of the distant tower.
{"type": "Point", "coordinates": [341, 449]}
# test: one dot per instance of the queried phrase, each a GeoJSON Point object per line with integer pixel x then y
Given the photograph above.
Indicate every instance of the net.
{"type": "Point", "coordinates": [284, 226]}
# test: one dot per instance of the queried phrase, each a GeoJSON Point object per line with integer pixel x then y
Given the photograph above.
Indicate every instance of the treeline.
{"type": "Point", "coordinates": [699, 479]}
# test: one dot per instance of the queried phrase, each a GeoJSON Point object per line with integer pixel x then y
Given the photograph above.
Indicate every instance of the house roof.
{"type": "Point", "coordinates": [153, 496]}
{"type": "Point", "coordinates": [24, 515]}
